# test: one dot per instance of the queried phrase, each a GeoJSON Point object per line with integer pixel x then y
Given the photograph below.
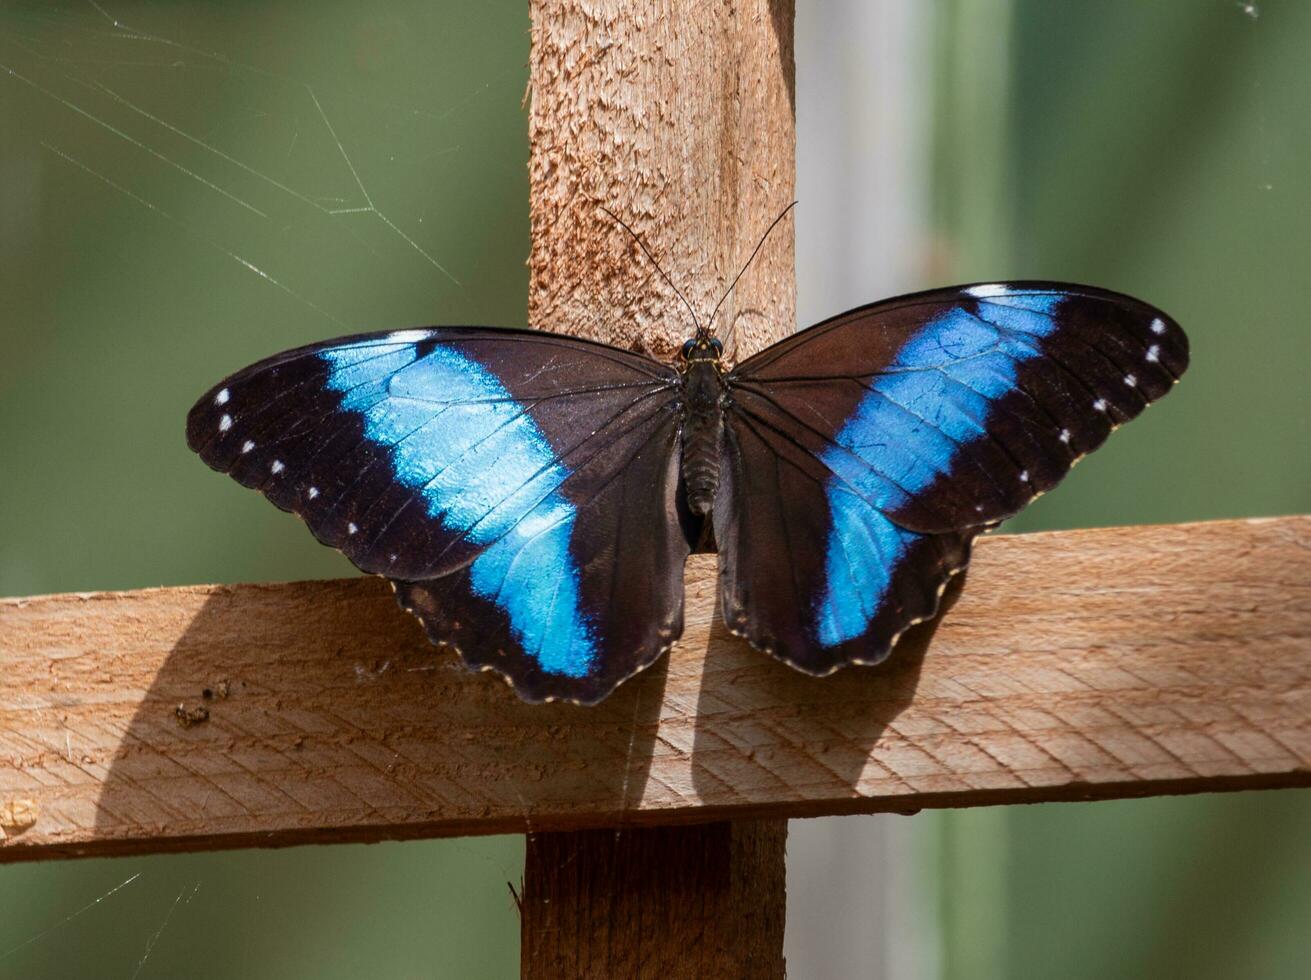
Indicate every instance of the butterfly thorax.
{"type": "Point", "coordinates": [703, 429]}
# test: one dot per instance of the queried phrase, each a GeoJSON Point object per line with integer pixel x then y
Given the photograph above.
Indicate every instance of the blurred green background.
{"type": "Point", "coordinates": [186, 187]}
{"type": "Point", "coordinates": [1162, 149]}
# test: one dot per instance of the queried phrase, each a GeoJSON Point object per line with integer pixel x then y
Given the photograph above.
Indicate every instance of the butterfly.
{"type": "Point", "coordinates": [532, 497]}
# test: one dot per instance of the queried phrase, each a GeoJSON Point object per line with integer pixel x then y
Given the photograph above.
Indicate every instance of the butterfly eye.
{"type": "Point", "coordinates": [717, 345]}
{"type": "Point", "coordinates": [688, 347]}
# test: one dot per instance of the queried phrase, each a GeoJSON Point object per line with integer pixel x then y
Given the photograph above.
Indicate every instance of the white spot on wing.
{"type": "Point", "coordinates": [351, 528]}
{"type": "Point", "coordinates": [1153, 354]}
{"type": "Point", "coordinates": [1065, 436]}
{"type": "Point", "coordinates": [986, 289]}
{"type": "Point", "coordinates": [408, 336]}
{"type": "Point", "coordinates": [225, 423]}
{"type": "Point", "coordinates": [1158, 326]}
{"type": "Point", "coordinates": [1024, 476]}
{"type": "Point", "coordinates": [247, 446]}
{"type": "Point", "coordinates": [1100, 404]}
{"type": "Point", "coordinates": [1130, 380]}
{"type": "Point", "coordinates": [221, 398]}
{"type": "Point", "coordinates": [313, 492]}
{"type": "Point", "coordinates": [277, 466]}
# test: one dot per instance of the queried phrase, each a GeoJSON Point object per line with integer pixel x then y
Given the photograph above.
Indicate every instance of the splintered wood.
{"type": "Point", "coordinates": [678, 120]}
{"type": "Point", "coordinates": [1078, 665]}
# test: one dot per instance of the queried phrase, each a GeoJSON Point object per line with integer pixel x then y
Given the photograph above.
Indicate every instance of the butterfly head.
{"type": "Point", "coordinates": [702, 348]}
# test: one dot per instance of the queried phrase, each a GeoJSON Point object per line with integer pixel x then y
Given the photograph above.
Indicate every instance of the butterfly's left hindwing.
{"type": "Point", "coordinates": [864, 454]}
{"type": "Point", "coordinates": [519, 488]}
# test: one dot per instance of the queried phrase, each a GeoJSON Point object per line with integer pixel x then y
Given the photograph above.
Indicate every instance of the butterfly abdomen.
{"type": "Point", "coordinates": [703, 429]}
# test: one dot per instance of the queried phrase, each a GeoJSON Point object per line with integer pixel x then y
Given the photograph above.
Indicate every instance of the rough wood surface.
{"type": "Point", "coordinates": [1078, 665]}
{"type": "Point", "coordinates": [678, 118]}
{"type": "Point", "coordinates": [679, 903]}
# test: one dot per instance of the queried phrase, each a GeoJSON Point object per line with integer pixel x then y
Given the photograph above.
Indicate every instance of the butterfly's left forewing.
{"type": "Point", "coordinates": [518, 488]}
{"type": "Point", "coordinates": [864, 454]}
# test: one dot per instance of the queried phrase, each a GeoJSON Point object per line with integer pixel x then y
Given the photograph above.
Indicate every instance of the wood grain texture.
{"type": "Point", "coordinates": [678, 903]}
{"type": "Point", "coordinates": [1078, 665]}
{"type": "Point", "coordinates": [679, 119]}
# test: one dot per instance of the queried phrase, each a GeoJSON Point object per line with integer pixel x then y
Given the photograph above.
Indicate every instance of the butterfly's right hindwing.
{"type": "Point", "coordinates": [788, 584]}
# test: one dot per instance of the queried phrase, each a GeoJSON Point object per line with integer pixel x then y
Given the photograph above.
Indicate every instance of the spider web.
{"type": "Point", "coordinates": [185, 187]}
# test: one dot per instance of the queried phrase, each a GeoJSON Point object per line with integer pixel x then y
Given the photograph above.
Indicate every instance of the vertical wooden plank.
{"type": "Point", "coordinates": [678, 117]}
{"type": "Point", "coordinates": [705, 901]}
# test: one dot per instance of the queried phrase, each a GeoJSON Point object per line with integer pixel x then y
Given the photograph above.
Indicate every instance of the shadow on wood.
{"type": "Point", "coordinates": [336, 720]}
{"type": "Point", "coordinates": [749, 712]}
{"type": "Point", "coordinates": [340, 718]}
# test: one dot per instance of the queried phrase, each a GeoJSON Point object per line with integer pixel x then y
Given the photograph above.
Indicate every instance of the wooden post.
{"type": "Point", "coordinates": [699, 901]}
{"type": "Point", "coordinates": [679, 118]}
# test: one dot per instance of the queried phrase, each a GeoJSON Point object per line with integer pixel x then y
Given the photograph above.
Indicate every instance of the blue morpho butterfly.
{"type": "Point", "coordinates": [533, 497]}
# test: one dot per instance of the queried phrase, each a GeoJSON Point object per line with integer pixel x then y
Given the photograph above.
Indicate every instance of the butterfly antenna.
{"type": "Point", "coordinates": [759, 245]}
{"type": "Point", "coordinates": [647, 252]}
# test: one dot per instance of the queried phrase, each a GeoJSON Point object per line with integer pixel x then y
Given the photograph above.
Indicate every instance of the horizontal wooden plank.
{"type": "Point", "coordinates": [1081, 665]}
